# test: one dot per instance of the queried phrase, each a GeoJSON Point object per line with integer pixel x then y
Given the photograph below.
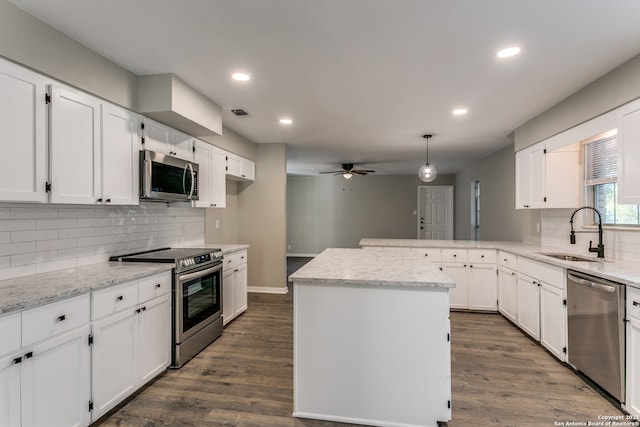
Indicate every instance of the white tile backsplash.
{"type": "Point", "coordinates": [41, 238]}
{"type": "Point", "coordinates": [619, 243]}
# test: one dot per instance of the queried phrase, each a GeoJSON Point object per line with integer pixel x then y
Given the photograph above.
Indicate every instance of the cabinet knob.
{"type": "Point", "coordinates": [481, 256]}
{"type": "Point", "coordinates": [99, 200]}
{"type": "Point", "coordinates": [470, 266]}
{"type": "Point", "coordinates": [119, 298]}
{"type": "Point", "coordinates": [158, 286]}
{"type": "Point", "coordinates": [61, 318]}
{"type": "Point", "coordinates": [454, 255]}
{"type": "Point", "coordinates": [426, 254]}
{"type": "Point", "coordinates": [108, 200]}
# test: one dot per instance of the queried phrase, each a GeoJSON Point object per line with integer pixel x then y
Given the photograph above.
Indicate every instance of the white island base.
{"type": "Point", "coordinates": [372, 354]}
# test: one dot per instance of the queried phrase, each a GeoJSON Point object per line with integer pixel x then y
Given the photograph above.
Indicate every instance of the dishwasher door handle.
{"type": "Point", "coordinates": [600, 286]}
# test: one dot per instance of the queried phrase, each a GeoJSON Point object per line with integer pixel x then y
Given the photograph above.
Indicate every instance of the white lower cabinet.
{"type": "Point", "coordinates": [529, 305]}
{"type": "Point", "coordinates": [10, 391]}
{"type": "Point", "coordinates": [474, 272]}
{"type": "Point", "coordinates": [508, 293]}
{"type": "Point", "coordinates": [55, 383]}
{"type": "Point", "coordinates": [234, 285]}
{"type": "Point", "coordinates": [553, 320]}
{"type": "Point", "coordinates": [133, 345]}
{"type": "Point", "coordinates": [632, 404]}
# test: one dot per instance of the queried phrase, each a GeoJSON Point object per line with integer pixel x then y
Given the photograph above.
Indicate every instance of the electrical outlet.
{"type": "Point", "coordinates": [537, 227]}
{"type": "Point", "coordinates": [217, 224]}
{"type": "Point", "coordinates": [289, 247]}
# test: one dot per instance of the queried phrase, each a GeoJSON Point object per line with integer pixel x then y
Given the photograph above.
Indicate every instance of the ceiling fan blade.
{"type": "Point", "coordinates": [337, 172]}
{"type": "Point", "coordinates": [362, 171]}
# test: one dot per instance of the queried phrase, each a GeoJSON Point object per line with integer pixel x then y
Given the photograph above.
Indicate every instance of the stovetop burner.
{"type": "Point", "coordinates": [183, 258]}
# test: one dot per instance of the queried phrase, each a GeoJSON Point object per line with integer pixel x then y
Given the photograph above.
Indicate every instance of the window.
{"type": "Point", "coordinates": [601, 170]}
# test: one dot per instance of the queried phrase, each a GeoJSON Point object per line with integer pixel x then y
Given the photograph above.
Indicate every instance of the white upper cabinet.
{"type": "Point", "coordinates": [239, 168]}
{"type": "Point", "coordinates": [120, 146]}
{"type": "Point", "coordinates": [23, 127]}
{"type": "Point", "coordinates": [629, 153]}
{"type": "Point", "coordinates": [74, 146]}
{"type": "Point", "coordinates": [163, 139]}
{"type": "Point", "coordinates": [211, 175]}
{"type": "Point", "coordinates": [548, 177]}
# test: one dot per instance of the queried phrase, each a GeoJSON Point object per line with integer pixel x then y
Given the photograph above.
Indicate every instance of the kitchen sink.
{"type": "Point", "coordinates": [570, 257]}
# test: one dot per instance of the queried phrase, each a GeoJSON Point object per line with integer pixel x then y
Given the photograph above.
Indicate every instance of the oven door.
{"type": "Point", "coordinates": [198, 300]}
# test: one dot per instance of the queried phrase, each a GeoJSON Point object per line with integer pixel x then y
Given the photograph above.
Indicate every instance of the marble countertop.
{"type": "Point", "coordinates": [29, 291]}
{"type": "Point", "coordinates": [362, 267]}
{"type": "Point", "coordinates": [227, 248]}
{"type": "Point", "coordinates": [618, 271]}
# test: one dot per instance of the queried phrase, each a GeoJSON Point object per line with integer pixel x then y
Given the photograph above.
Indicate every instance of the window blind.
{"type": "Point", "coordinates": [601, 161]}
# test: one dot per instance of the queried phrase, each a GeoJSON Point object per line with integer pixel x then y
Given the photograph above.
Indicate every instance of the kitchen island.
{"type": "Point", "coordinates": [371, 339]}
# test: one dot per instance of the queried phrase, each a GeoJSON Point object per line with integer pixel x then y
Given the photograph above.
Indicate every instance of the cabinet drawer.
{"type": "Point", "coordinates": [48, 320]}
{"type": "Point", "coordinates": [633, 303]}
{"type": "Point", "coordinates": [10, 333]}
{"type": "Point", "coordinates": [454, 255]}
{"type": "Point", "coordinates": [430, 254]}
{"type": "Point", "coordinates": [508, 259]}
{"type": "Point", "coordinates": [114, 299]}
{"type": "Point", "coordinates": [480, 256]}
{"type": "Point", "coordinates": [154, 286]}
{"type": "Point", "coordinates": [233, 260]}
{"type": "Point", "coordinates": [549, 274]}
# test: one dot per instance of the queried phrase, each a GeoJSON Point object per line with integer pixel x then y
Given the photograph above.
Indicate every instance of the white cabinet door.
{"type": "Point", "coordinates": [538, 173]}
{"type": "Point", "coordinates": [182, 145]}
{"type": "Point", "coordinates": [508, 294]}
{"type": "Point", "coordinates": [120, 146]}
{"type": "Point", "coordinates": [56, 381]}
{"type": "Point", "coordinates": [113, 360]}
{"type": "Point", "coordinates": [156, 136]}
{"type": "Point", "coordinates": [154, 338]}
{"type": "Point", "coordinates": [458, 296]}
{"type": "Point", "coordinates": [629, 154]}
{"type": "Point", "coordinates": [248, 170]}
{"type": "Point", "coordinates": [529, 306]}
{"type": "Point", "coordinates": [203, 156]}
{"type": "Point", "coordinates": [553, 320]}
{"type": "Point", "coordinates": [218, 178]}
{"type": "Point", "coordinates": [562, 177]}
{"type": "Point", "coordinates": [23, 130]}
{"type": "Point", "coordinates": [633, 367]}
{"type": "Point", "coordinates": [74, 146]}
{"type": "Point", "coordinates": [228, 308]}
{"type": "Point", "coordinates": [530, 173]}
{"type": "Point", "coordinates": [523, 180]}
{"type": "Point", "coordinates": [10, 390]}
{"type": "Point", "coordinates": [483, 287]}
{"type": "Point", "coordinates": [234, 165]}
{"type": "Point", "coordinates": [240, 289]}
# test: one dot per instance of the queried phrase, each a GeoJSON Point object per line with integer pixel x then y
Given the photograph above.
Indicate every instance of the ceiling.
{"type": "Point", "coordinates": [363, 80]}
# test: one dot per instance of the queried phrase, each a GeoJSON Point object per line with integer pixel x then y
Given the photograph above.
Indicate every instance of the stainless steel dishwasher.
{"type": "Point", "coordinates": [596, 310]}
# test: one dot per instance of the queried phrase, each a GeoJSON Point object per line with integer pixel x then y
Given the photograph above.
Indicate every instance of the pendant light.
{"type": "Point", "coordinates": [427, 172]}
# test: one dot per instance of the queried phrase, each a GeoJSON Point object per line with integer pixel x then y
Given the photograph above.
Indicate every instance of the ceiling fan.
{"type": "Point", "coordinates": [348, 171]}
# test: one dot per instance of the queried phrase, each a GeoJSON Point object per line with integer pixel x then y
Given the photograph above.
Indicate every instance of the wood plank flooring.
{"type": "Point", "coordinates": [499, 378]}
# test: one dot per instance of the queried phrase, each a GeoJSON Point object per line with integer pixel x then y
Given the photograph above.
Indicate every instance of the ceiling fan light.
{"type": "Point", "coordinates": [347, 175]}
{"type": "Point", "coordinates": [427, 172]}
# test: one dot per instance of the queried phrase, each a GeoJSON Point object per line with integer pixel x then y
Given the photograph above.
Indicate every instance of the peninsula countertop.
{"type": "Point", "coordinates": [361, 267]}
{"type": "Point", "coordinates": [624, 272]}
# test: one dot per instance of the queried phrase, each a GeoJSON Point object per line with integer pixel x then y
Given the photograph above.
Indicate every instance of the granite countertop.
{"type": "Point", "coordinates": [361, 267]}
{"type": "Point", "coordinates": [619, 271]}
{"type": "Point", "coordinates": [29, 291]}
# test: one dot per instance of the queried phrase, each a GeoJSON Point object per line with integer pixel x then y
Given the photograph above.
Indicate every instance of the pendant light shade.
{"type": "Point", "coordinates": [427, 172]}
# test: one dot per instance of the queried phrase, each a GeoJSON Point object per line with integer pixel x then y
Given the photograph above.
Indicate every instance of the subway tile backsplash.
{"type": "Point", "coordinates": [621, 244]}
{"type": "Point", "coordinates": [39, 238]}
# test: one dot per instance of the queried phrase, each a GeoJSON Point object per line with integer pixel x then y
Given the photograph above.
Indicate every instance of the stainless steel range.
{"type": "Point", "coordinates": [197, 296]}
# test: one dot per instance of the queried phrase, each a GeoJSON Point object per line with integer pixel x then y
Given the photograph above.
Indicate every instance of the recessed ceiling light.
{"type": "Point", "coordinates": [459, 111]}
{"type": "Point", "coordinates": [506, 53]}
{"type": "Point", "coordinates": [286, 121]}
{"type": "Point", "coordinates": [241, 77]}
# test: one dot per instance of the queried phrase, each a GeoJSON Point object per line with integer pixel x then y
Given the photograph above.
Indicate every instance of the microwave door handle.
{"type": "Point", "coordinates": [193, 179]}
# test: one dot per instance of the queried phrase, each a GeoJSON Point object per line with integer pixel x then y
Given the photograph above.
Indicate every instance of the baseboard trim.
{"type": "Point", "coordinates": [302, 255]}
{"type": "Point", "coordinates": [267, 290]}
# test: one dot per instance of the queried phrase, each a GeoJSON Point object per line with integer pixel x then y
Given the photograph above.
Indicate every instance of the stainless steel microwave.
{"type": "Point", "coordinates": [166, 178]}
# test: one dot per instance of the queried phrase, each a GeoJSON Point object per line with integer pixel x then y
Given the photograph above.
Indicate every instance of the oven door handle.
{"type": "Point", "coordinates": [186, 277]}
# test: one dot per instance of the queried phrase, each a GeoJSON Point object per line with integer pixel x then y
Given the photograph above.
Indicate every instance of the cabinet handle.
{"type": "Point", "coordinates": [119, 298]}
{"type": "Point", "coordinates": [28, 355]}
{"type": "Point", "coordinates": [158, 286]}
{"type": "Point", "coordinates": [426, 254]}
{"type": "Point", "coordinates": [17, 360]}
{"type": "Point", "coordinates": [99, 200]}
{"type": "Point", "coordinates": [636, 303]}
{"type": "Point", "coordinates": [61, 318]}
{"type": "Point", "coordinates": [138, 311]}
{"type": "Point", "coordinates": [513, 273]}
{"type": "Point", "coordinates": [108, 200]}
{"type": "Point", "coordinates": [481, 256]}
{"type": "Point", "coordinates": [470, 266]}
{"type": "Point", "coordinates": [144, 308]}
{"type": "Point", "coordinates": [505, 260]}
{"type": "Point", "coordinates": [465, 265]}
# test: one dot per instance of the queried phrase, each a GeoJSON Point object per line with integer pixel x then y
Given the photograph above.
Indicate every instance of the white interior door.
{"type": "Point", "coordinates": [435, 212]}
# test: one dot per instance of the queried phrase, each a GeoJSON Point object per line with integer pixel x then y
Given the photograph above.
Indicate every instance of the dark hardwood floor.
{"type": "Point", "coordinates": [245, 378]}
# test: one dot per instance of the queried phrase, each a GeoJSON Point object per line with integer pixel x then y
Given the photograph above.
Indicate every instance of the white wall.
{"type": "Point", "coordinates": [40, 238]}
{"type": "Point", "coordinates": [329, 211]}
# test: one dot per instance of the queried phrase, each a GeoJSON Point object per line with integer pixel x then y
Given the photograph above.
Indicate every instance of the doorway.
{"type": "Point", "coordinates": [435, 212]}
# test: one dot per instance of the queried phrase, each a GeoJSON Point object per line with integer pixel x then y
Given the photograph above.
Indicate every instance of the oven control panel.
{"type": "Point", "coordinates": [200, 259]}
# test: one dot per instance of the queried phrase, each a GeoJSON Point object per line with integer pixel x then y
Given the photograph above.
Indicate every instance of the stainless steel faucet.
{"type": "Point", "coordinates": [572, 238]}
